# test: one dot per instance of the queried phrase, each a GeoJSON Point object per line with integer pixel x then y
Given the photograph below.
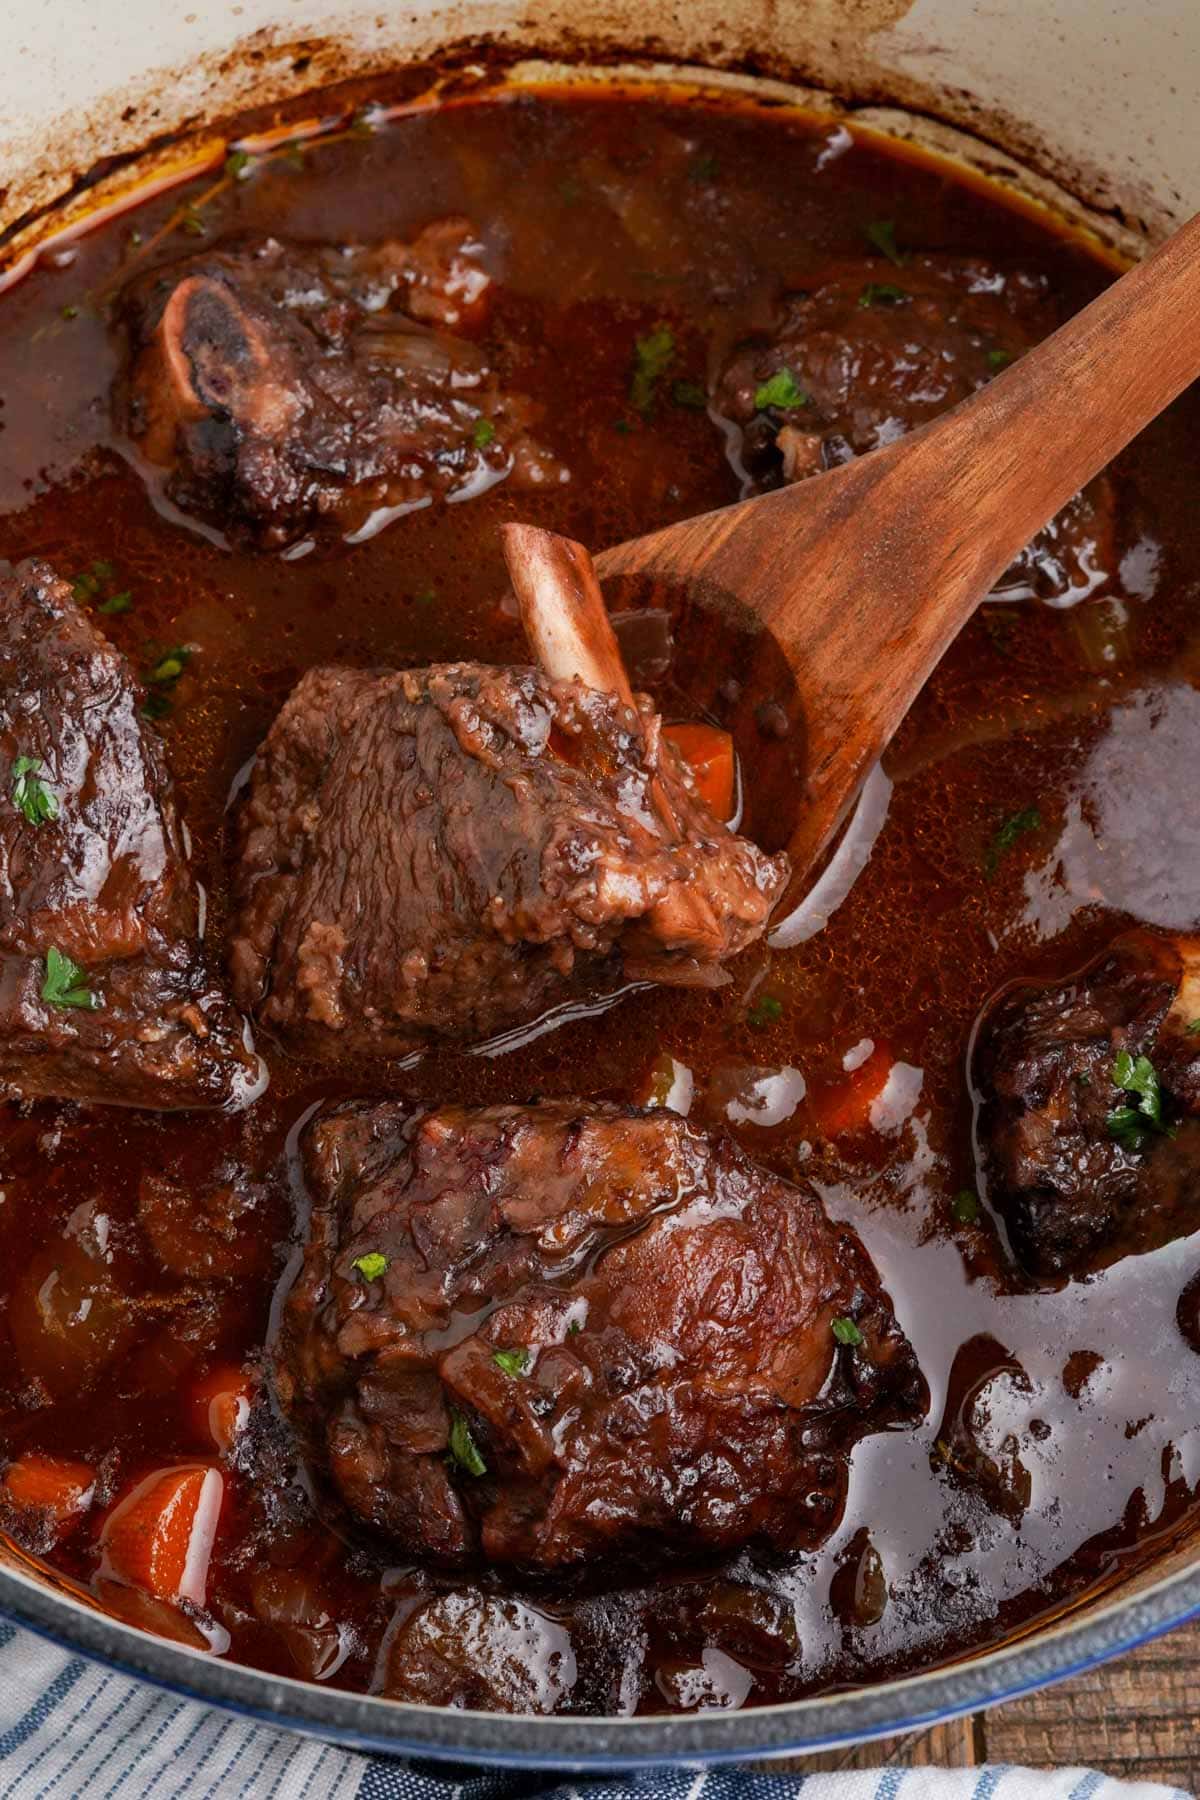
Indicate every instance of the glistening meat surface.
{"type": "Point", "coordinates": [869, 351]}
{"type": "Point", "coordinates": [279, 385]}
{"type": "Point", "coordinates": [443, 853]}
{"type": "Point", "coordinates": [1090, 1091]}
{"type": "Point", "coordinates": [553, 1334]}
{"type": "Point", "coordinates": [94, 879]}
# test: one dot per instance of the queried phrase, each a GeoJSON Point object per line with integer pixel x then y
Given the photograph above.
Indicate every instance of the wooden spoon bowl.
{"type": "Point", "coordinates": [863, 576]}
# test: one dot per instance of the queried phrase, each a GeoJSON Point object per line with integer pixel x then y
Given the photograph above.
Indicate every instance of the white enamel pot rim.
{"type": "Point", "coordinates": [1087, 104]}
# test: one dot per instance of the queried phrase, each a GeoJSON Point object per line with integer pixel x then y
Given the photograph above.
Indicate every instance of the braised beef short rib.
{"type": "Point", "coordinates": [869, 351]}
{"type": "Point", "coordinates": [1089, 1117]}
{"type": "Point", "coordinates": [104, 990]}
{"type": "Point", "coordinates": [553, 1335]}
{"type": "Point", "coordinates": [446, 852]}
{"type": "Point", "coordinates": [279, 385]}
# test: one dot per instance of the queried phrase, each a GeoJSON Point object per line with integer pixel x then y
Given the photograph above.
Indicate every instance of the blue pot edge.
{"type": "Point", "coordinates": [569, 1744]}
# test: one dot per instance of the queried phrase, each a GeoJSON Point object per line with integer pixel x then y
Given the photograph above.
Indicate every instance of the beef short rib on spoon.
{"type": "Point", "coordinates": [863, 576]}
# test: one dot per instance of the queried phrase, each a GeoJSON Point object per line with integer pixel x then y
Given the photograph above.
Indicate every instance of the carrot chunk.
{"type": "Point", "coordinates": [59, 1491]}
{"type": "Point", "coordinates": [846, 1108]}
{"type": "Point", "coordinates": [708, 752]}
{"type": "Point", "coordinates": [220, 1405]}
{"type": "Point", "coordinates": [160, 1537]}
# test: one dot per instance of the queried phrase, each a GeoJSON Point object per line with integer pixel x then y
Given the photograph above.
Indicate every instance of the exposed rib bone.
{"type": "Point", "coordinates": [563, 610]}
{"type": "Point", "coordinates": [569, 632]}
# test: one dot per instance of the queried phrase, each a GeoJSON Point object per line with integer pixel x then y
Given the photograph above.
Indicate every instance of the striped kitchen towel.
{"type": "Point", "coordinates": [71, 1729]}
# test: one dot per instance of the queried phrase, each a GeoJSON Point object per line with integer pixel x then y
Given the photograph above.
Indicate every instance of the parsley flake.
{"type": "Point", "coordinates": [483, 433]}
{"type": "Point", "coordinates": [999, 359]}
{"type": "Point", "coordinates": [237, 165]}
{"type": "Point", "coordinates": [371, 1265]}
{"type": "Point", "coordinates": [90, 588]}
{"type": "Point", "coordinates": [689, 394]}
{"type": "Point", "coordinates": [1014, 828]}
{"type": "Point", "coordinates": [192, 223]}
{"type": "Point", "coordinates": [965, 1207]}
{"type": "Point", "coordinates": [463, 1448]}
{"type": "Point", "coordinates": [881, 235]}
{"type": "Point", "coordinates": [70, 312]}
{"type": "Point", "coordinates": [882, 293]}
{"type": "Point", "coordinates": [513, 1362]}
{"type": "Point", "coordinates": [66, 983]}
{"type": "Point", "coordinates": [846, 1332]}
{"type": "Point", "coordinates": [652, 357]}
{"type": "Point", "coordinates": [1192, 1027]}
{"type": "Point", "coordinates": [1132, 1124]}
{"type": "Point", "coordinates": [779, 390]}
{"type": "Point", "coordinates": [167, 670]}
{"type": "Point", "coordinates": [767, 1010]}
{"type": "Point", "coordinates": [30, 794]}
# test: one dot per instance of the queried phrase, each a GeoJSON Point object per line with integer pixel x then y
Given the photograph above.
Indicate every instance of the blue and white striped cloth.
{"type": "Point", "coordinates": [71, 1729]}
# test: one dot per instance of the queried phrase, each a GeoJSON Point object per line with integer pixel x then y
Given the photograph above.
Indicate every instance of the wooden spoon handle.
{"type": "Point", "coordinates": [1011, 456]}
{"type": "Point", "coordinates": [865, 574]}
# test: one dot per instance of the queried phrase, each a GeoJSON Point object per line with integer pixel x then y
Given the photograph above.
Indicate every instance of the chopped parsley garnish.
{"type": "Point", "coordinates": [881, 293]}
{"type": "Point", "coordinates": [652, 357]}
{"type": "Point", "coordinates": [703, 167]}
{"type": "Point", "coordinates": [881, 234]}
{"type": "Point", "coordinates": [513, 1362]}
{"type": "Point", "coordinates": [91, 587]}
{"type": "Point", "coordinates": [483, 433]}
{"type": "Point", "coordinates": [1132, 1124]}
{"type": "Point", "coordinates": [767, 1010]}
{"type": "Point", "coordinates": [371, 1265]}
{"type": "Point", "coordinates": [846, 1332]}
{"type": "Point", "coordinates": [167, 670]}
{"type": "Point", "coordinates": [574, 1328]}
{"type": "Point", "coordinates": [1013, 828]}
{"type": "Point", "coordinates": [293, 153]}
{"type": "Point", "coordinates": [689, 394]}
{"type": "Point", "coordinates": [70, 312]}
{"type": "Point", "coordinates": [965, 1207]}
{"type": "Point", "coordinates": [162, 676]}
{"type": "Point", "coordinates": [999, 359]}
{"type": "Point", "coordinates": [88, 585]}
{"type": "Point", "coordinates": [192, 223]}
{"type": "Point", "coordinates": [66, 983]}
{"type": "Point", "coordinates": [237, 164]}
{"type": "Point", "coordinates": [463, 1448]}
{"type": "Point", "coordinates": [30, 793]}
{"type": "Point", "coordinates": [779, 390]}
{"type": "Point", "coordinates": [1192, 1028]}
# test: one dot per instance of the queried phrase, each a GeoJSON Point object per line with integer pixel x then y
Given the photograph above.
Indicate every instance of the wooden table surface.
{"type": "Point", "coordinates": [1138, 1717]}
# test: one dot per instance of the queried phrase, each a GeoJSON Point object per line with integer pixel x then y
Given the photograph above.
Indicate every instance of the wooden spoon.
{"type": "Point", "coordinates": [864, 575]}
